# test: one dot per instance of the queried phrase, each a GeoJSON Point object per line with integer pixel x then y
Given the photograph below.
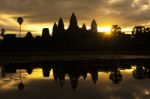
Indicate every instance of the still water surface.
{"type": "Point", "coordinates": [81, 80]}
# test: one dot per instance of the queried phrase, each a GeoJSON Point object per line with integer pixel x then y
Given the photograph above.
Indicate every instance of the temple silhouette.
{"type": "Point", "coordinates": [79, 39]}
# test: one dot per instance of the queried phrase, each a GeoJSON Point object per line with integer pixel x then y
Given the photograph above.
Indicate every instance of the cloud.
{"type": "Point", "coordinates": [123, 12]}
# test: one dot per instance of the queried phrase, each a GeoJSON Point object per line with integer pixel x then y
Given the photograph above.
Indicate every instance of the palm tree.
{"type": "Point", "coordinates": [20, 21]}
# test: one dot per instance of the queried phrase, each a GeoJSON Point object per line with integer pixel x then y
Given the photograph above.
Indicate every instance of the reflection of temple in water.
{"type": "Point", "coordinates": [76, 70]}
{"type": "Point", "coordinates": [94, 75]}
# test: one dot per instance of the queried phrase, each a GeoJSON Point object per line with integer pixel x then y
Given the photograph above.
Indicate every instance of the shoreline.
{"type": "Point", "coordinates": [32, 57]}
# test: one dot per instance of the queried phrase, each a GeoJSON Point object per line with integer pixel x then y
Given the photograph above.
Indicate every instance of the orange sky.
{"type": "Point", "coordinates": [39, 14]}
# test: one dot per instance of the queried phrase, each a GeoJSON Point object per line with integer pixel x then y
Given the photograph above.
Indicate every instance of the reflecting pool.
{"type": "Point", "coordinates": [75, 80]}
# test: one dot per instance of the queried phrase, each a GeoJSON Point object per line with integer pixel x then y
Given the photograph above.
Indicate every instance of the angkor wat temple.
{"type": "Point", "coordinates": [78, 39]}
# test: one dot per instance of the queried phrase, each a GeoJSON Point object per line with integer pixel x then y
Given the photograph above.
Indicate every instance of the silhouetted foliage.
{"type": "Point", "coordinates": [116, 30]}
{"type": "Point", "coordinates": [137, 30]}
{"type": "Point", "coordinates": [20, 20]}
{"type": "Point", "coordinates": [29, 35]}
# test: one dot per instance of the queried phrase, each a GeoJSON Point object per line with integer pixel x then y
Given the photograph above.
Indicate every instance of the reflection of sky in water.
{"type": "Point", "coordinates": [37, 87]}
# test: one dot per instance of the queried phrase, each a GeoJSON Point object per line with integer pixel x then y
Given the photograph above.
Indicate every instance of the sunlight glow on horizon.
{"type": "Point", "coordinates": [36, 28]}
{"type": "Point", "coordinates": [106, 29]}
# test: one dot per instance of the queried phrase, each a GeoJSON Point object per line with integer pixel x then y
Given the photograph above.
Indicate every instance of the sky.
{"type": "Point", "coordinates": [40, 14]}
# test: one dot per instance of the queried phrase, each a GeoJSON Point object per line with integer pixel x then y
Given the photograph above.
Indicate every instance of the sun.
{"type": "Point", "coordinates": [106, 29]}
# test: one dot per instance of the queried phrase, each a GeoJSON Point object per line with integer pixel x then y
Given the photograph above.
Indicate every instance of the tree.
{"type": "Point", "coordinates": [147, 30]}
{"type": "Point", "coordinates": [29, 35]}
{"type": "Point", "coordinates": [138, 30]}
{"type": "Point", "coordinates": [116, 30]}
{"type": "Point", "coordinates": [20, 21]}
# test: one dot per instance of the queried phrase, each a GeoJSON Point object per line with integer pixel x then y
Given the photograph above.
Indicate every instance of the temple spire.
{"type": "Point", "coordinates": [55, 27]}
{"type": "Point", "coordinates": [73, 22]}
{"type": "Point", "coordinates": [84, 27]}
{"type": "Point", "coordinates": [94, 26]}
{"type": "Point", "coordinates": [60, 24]}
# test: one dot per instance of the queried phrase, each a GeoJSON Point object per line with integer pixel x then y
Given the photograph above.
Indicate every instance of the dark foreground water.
{"type": "Point", "coordinates": [75, 80]}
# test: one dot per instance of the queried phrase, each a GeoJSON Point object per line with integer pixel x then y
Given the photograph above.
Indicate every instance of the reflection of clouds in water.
{"type": "Point", "coordinates": [10, 81]}
{"type": "Point", "coordinates": [8, 85]}
{"type": "Point", "coordinates": [146, 92]}
{"type": "Point", "coordinates": [127, 89]}
{"type": "Point", "coordinates": [41, 88]}
{"type": "Point", "coordinates": [142, 94]}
